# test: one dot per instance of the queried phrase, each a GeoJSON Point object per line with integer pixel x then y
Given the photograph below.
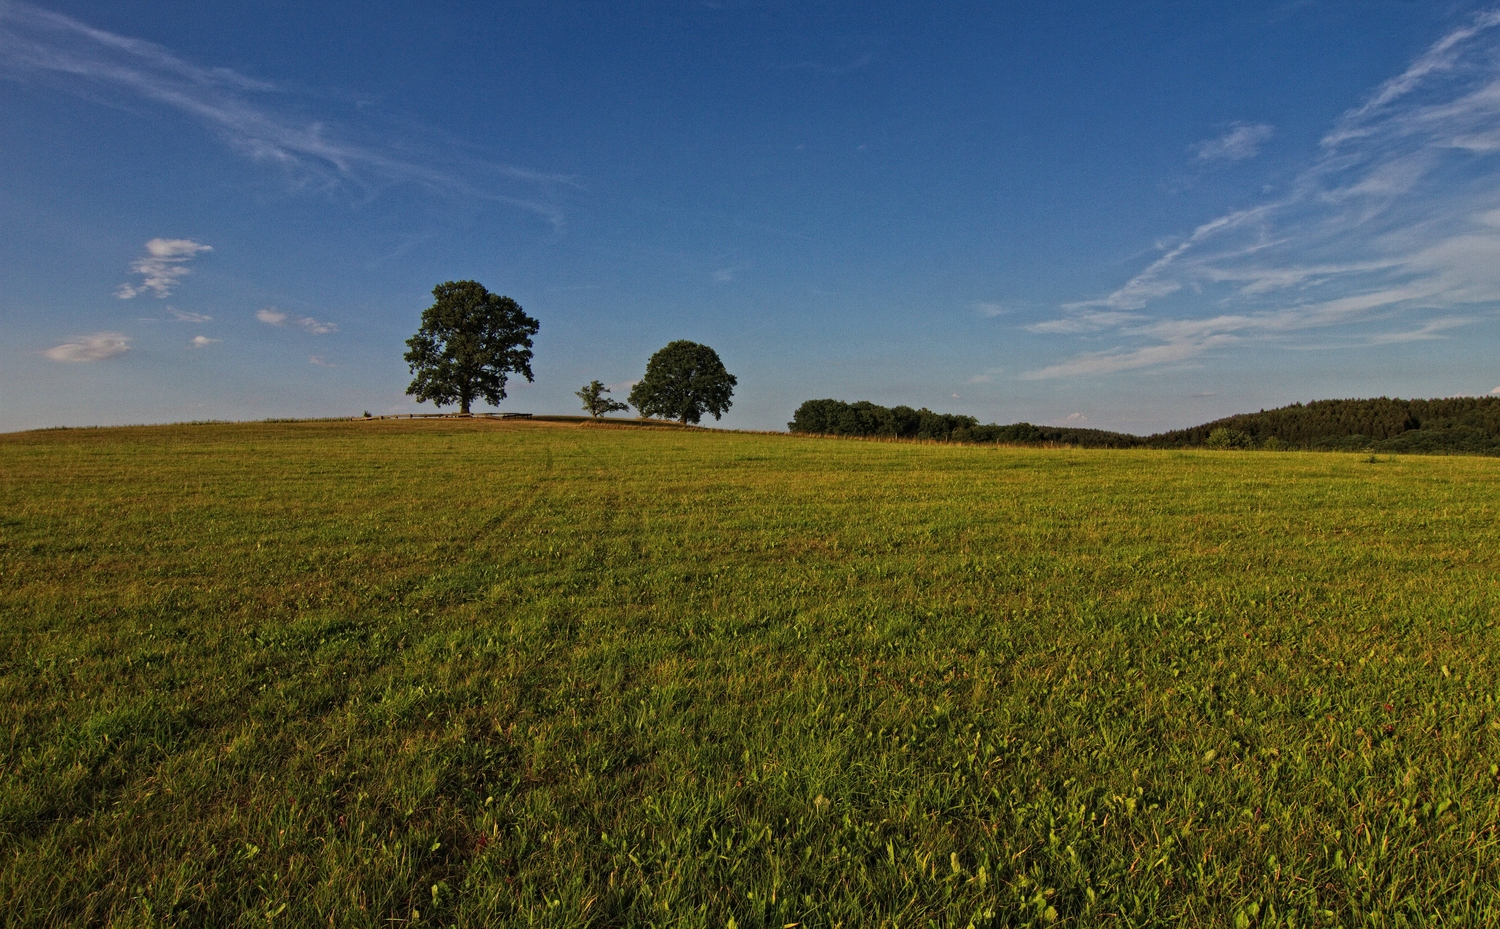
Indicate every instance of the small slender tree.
{"type": "Point", "coordinates": [469, 341]}
{"type": "Point", "coordinates": [683, 381]}
{"type": "Point", "coordinates": [595, 401]}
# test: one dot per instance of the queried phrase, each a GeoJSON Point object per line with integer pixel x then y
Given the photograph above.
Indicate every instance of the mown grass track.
{"type": "Point", "coordinates": [537, 674]}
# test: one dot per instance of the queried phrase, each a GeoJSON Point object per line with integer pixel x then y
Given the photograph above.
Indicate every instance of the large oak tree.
{"type": "Point", "coordinates": [469, 341]}
{"type": "Point", "coordinates": [683, 381]}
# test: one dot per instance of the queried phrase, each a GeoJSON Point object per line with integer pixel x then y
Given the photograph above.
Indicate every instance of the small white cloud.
{"type": "Point", "coordinates": [1204, 393]}
{"type": "Point", "coordinates": [320, 361]}
{"type": "Point", "coordinates": [1241, 141]}
{"type": "Point", "coordinates": [162, 266]}
{"type": "Point", "coordinates": [201, 341]}
{"type": "Point", "coordinates": [274, 317]}
{"type": "Point", "coordinates": [94, 347]}
{"type": "Point", "coordinates": [955, 396]}
{"type": "Point", "coordinates": [182, 316]}
{"type": "Point", "coordinates": [989, 308]}
{"type": "Point", "coordinates": [175, 249]}
{"type": "Point", "coordinates": [308, 324]}
{"type": "Point", "coordinates": [1495, 392]}
{"type": "Point", "coordinates": [1075, 419]}
{"type": "Point", "coordinates": [981, 379]}
{"type": "Point", "coordinates": [723, 275]}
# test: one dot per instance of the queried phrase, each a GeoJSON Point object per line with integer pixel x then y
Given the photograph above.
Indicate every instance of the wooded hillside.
{"type": "Point", "coordinates": [1459, 424]}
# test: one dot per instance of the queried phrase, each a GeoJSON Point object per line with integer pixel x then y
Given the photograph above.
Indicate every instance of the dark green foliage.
{"type": "Point", "coordinates": [835, 417]}
{"type": "Point", "coordinates": [1455, 424]}
{"type": "Point", "coordinates": [595, 403]}
{"type": "Point", "coordinates": [1027, 434]}
{"type": "Point", "coordinates": [1469, 425]}
{"type": "Point", "coordinates": [1226, 438]}
{"type": "Point", "coordinates": [1014, 434]}
{"type": "Point", "coordinates": [1457, 438]}
{"type": "Point", "coordinates": [683, 381]}
{"type": "Point", "coordinates": [469, 341]}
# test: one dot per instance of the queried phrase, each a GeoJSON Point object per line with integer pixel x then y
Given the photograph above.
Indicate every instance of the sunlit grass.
{"type": "Point", "coordinates": [482, 674]}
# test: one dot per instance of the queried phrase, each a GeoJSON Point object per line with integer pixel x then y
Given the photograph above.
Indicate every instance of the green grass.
{"type": "Point", "coordinates": [483, 674]}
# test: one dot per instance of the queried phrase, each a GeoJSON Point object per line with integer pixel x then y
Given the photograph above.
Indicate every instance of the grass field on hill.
{"type": "Point", "coordinates": [484, 674]}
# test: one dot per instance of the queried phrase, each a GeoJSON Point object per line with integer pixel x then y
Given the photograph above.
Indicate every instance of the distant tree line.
{"type": "Point", "coordinates": [1460, 424]}
{"type": "Point", "coordinates": [835, 417]}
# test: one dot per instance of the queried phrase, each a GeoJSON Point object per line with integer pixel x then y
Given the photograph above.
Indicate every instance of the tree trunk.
{"type": "Point", "coordinates": [463, 405]}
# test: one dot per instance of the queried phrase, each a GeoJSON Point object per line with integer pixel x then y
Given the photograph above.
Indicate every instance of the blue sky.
{"type": "Point", "coordinates": [1130, 216]}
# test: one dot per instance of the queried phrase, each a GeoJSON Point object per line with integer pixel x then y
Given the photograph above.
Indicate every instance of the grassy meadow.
{"type": "Point", "coordinates": [536, 674]}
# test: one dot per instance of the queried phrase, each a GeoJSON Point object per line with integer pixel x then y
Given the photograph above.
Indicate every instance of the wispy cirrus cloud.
{"type": "Point", "coordinates": [96, 347]}
{"type": "Point", "coordinates": [252, 116]}
{"type": "Point", "coordinates": [1390, 234]}
{"type": "Point", "coordinates": [1238, 142]}
{"type": "Point", "coordinates": [274, 317]}
{"type": "Point", "coordinates": [845, 56]}
{"type": "Point", "coordinates": [164, 264]}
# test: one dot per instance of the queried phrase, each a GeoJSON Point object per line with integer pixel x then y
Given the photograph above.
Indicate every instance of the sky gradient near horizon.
{"type": "Point", "coordinates": [1123, 215]}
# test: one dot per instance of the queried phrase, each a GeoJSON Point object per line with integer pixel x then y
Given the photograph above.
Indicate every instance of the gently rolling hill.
{"type": "Point", "coordinates": [479, 674]}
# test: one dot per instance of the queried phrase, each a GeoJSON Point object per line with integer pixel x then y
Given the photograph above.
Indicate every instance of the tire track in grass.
{"type": "Point", "coordinates": [460, 572]}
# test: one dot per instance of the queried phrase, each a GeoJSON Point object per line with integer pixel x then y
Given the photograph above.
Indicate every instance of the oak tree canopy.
{"type": "Point", "coordinates": [470, 339]}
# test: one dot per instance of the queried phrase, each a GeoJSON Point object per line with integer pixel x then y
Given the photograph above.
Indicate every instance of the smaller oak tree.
{"type": "Point", "coordinates": [683, 381]}
{"type": "Point", "coordinates": [595, 401]}
{"type": "Point", "coordinates": [469, 341]}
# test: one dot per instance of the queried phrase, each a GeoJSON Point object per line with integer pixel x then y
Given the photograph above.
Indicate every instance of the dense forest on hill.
{"type": "Point", "coordinates": [1459, 424]}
